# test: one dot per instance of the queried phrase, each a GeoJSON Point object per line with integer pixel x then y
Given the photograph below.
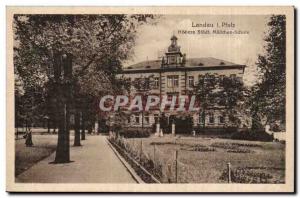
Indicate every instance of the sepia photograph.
{"type": "Point", "coordinates": [144, 99]}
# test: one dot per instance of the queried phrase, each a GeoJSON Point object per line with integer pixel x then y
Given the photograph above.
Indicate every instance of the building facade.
{"type": "Point", "coordinates": [175, 74]}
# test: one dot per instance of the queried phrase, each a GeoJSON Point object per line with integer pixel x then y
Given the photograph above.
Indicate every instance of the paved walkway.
{"type": "Point", "coordinates": [94, 162]}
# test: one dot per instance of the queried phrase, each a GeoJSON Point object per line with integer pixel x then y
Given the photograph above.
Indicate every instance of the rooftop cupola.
{"type": "Point", "coordinates": [174, 56]}
{"type": "Point", "coordinates": [174, 47]}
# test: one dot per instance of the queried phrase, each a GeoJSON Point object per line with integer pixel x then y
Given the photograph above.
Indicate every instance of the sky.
{"type": "Point", "coordinates": [153, 39]}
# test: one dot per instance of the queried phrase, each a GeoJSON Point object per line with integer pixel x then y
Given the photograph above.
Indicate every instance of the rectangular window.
{"type": "Point", "coordinates": [232, 76]}
{"type": "Point", "coordinates": [191, 81]}
{"type": "Point", "coordinates": [146, 119]}
{"type": "Point", "coordinates": [200, 118]}
{"type": "Point", "coordinates": [211, 118]}
{"type": "Point", "coordinates": [156, 118]}
{"type": "Point", "coordinates": [156, 83]}
{"type": "Point", "coordinates": [146, 84]}
{"type": "Point", "coordinates": [137, 118]}
{"type": "Point", "coordinates": [169, 81]}
{"type": "Point", "coordinates": [222, 119]}
{"type": "Point", "coordinates": [173, 81]}
{"type": "Point", "coordinates": [201, 79]}
{"type": "Point", "coordinates": [176, 81]}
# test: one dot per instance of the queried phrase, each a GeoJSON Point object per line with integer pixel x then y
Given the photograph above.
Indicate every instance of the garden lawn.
{"type": "Point", "coordinates": [25, 157]}
{"type": "Point", "coordinates": [204, 160]}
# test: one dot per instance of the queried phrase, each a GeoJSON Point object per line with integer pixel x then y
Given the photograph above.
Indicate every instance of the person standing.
{"type": "Point", "coordinates": [28, 138]}
{"type": "Point", "coordinates": [163, 122]}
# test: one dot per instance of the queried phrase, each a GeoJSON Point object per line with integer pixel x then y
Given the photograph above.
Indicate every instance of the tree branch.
{"type": "Point", "coordinates": [94, 56]}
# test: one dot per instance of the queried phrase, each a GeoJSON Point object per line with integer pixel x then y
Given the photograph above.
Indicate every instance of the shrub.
{"type": "Point", "coordinates": [183, 125]}
{"type": "Point", "coordinates": [216, 131]}
{"type": "Point", "coordinates": [153, 128]}
{"type": "Point", "coordinates": [239, 151]}
{"type": "Point", "coordinates": [130, 157]}
{"type": "Point", "coordinates": [256, 124]}
{"type": "Point", "coordinates": [253, 136]}
{"type": "Point", "coordinates": [244, 175]}
{"type": "Point", "coordinates": [202, 149]}
{"type": "Point", "coordinates": [247, 145]}
{"type": "Point", "coordinates": [135, 134]}
{"type": "Point", "coordinates": [234, 147]}
{"type": "Point", "coordinates": [168, 143]}
{"type": "Point", "coordinates": [155, 168]}
{"type": "Point", "coordinates": [282, 142]}
{"type": "Point", "coordinates": [224, 145]}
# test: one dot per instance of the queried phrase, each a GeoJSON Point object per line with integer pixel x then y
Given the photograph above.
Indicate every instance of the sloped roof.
{"type": "Point", "coordinates": [190, 62]}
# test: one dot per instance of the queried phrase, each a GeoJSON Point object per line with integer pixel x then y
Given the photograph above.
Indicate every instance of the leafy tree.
{"type": "Point", "coordinates": [232, 95]}
{"type": "Point", "coordinates": [205, 91]}
{"type": "Point", "coordinates": [96, 43]}
{"type": "Point", "coordinates": [143, 86]}
{"type": "Point", "coordinates": [225, 92]}
{"type": "Point", "coordinates": [268, 101]}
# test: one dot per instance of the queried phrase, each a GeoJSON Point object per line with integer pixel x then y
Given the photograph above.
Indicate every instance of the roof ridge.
{"type": "Point", "coordinates": [190, 62]}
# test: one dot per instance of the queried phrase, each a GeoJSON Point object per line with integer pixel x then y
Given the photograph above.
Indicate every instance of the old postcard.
{"type": "Point", "coordinates": [150, 99]}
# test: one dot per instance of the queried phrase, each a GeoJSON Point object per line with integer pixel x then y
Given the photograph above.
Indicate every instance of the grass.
{"type": "Point", "coordinates": [204, 160]}
{"type": "Point", "coordinates": [25, 157]}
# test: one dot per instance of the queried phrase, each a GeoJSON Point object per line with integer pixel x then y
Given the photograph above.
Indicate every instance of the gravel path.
{"type": "Point", "coordinates": [94, 162]}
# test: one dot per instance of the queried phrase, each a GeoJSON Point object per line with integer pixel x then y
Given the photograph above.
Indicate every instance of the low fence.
{"type": "Point", "coordinates": [170, 166]}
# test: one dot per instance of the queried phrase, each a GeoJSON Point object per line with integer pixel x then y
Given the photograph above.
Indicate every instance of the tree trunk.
{"type": "Point", "coordinates": [26, 125]}
{"type": "Point", "coordinates": [204, 118]}
{"type": "Point", "coordinates": [82, 126]}
{"type": "Point", "coordinates": [99, 125]}
{"type": "Point", "coordinates": [143, 119]}
{"type": "Point", "coordinates": [54, 126]}
{"type": "Point", "coordinates": [90, 129]}
{"type": "Point", "coordinates": [63, 99]}
{"type": "Point", "coordinates": [63, 102]}
{"type": "Point", "coordinates": [63, 143]}
{"type": "Point", "coordinates": [48, 125]}
{"type": "Point", "coordinates": [17, 132]}
{"type": "Point", "coordinates": [77, 129]}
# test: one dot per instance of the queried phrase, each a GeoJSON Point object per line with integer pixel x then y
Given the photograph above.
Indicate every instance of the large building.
{"type": "Point", "coordinates": [175, 74]}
